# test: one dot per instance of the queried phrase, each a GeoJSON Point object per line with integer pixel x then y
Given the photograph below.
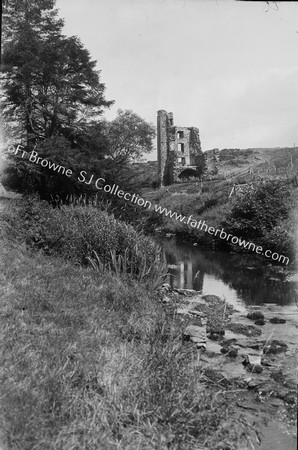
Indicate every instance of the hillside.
{"type": "Point", "coordinates": [264, 162]}
{"type": "Point", "coordinates": [213, 199]}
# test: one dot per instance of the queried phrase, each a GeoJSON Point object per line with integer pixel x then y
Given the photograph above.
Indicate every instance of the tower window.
{"type": "Point", "coordinates": [181, 161]}
{"type": "Point", "coordinates": [180, 134]}
{"type": "Point", "coordinates": [181, 148]}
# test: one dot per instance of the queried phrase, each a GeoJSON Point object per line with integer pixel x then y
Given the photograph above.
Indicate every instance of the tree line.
{"type": "Point", "coordinates": [53, 101]}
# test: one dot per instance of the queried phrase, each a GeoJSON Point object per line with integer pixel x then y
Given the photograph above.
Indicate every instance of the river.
{"type": "Point", "coordinates": [241, 279]}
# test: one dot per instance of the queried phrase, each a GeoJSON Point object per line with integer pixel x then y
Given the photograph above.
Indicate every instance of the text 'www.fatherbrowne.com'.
{"type": "Point", "coordinates": [221, 233]}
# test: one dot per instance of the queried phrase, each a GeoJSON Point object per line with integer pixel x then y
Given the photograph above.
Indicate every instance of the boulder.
{"type": "Point", "coordinates": [215, 377]}
{"type": "Point", "coordinates": [229, 342]}
{"type": "Point", "coordinates": [291, 398]}
{"type": "Point", "coordinates": [211, 354]}
{"type": "Point", "coordinates": [277, 402]}
{"type": "Point", "coordinates": [213, 336]}
{"type": "Point", "coordinates": [255, 315]}
{"type": "Point", "coordinates": [233, 352]}
{"type": "Point", "coordinates": [257, 383]}
{"type": "Point", "coordinates": [224, 350]}
{"type": "Point", "coordinates": [213, 330]}
{"type": "Point", "coordinates": [253, 363]}
{"type": "Point", "coordinates": [281, 392]}
{"type": "Point", "coordinates": [277, 320]}
{"type": "Point", "coordinates": [277, 376]}
{"type": "Point", "coordinates": [254, 346]}
{"type": "Point", "coordinates": [265, 362]}
{"type": "Point", "coordinates": [196, 335]}
{"type": "Point", "coordinates": [241, 328]}
{"type": "Point", "coordinates": [229, 351]}
{"type": "Point", "coordinates": [255, 368]}
{"type": "Point", "coordinates": [273, 389]}
{"type": "Point", "coordinates": [260, 322]}
{"type": "Point", "coordinates": [274, 347]}
{"type": "Point", "coordinates": [187, 292]}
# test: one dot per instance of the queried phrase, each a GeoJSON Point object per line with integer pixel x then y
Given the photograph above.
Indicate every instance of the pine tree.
{"type": "Point", "coordinates": [51, 89]}
{"type": "Point", "coordinates": [28, 27]}
{"type": "Point", "coordinates": [51, 84]}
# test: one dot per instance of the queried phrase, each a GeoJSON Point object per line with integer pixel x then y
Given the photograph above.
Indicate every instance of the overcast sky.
{"type": "Point", "coordinates": [229, 68]}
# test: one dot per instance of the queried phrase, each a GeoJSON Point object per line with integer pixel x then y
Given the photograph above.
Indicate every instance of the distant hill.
{"type": "Point", "coordinates": [262, 161]}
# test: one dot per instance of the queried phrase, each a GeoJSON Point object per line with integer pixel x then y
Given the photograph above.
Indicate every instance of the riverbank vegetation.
{"type": "Point", "coordinates": [263, 215]}
{"type": "Point", "coordinates": [57, 112]}
{"type": "Point", "coordinates": [92, 359]}
{"type": "Point", "coordinates": [86, 236]}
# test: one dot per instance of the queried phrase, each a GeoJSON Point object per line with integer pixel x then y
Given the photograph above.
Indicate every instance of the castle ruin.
{"type": "Point", "coordinates": [178, 148]}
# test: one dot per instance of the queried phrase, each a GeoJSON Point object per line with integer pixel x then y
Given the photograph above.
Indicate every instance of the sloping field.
{"type": "Point", "coordinates": [261, 160]}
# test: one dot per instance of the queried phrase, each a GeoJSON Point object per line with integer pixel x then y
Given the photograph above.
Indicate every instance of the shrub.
{"type": "Point", "coordinates": [88, 235]}
{"type": "Point", "coordinates": [280, 239]}
{"type": "Point", "coordinates": [262, 215]}
{"type": "Point", "coordinates": [258, 211]}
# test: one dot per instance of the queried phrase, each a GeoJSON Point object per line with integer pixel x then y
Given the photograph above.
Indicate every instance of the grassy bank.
{"type": "Point", "coordinates": [262, 215]}
{"type": "Point", "coordinates": [91, 360]}
{"type": "Point", "coordinates": [86, 236]}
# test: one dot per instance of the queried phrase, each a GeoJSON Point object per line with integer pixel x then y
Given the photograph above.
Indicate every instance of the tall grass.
{"type": "Point", "coordinates": [135, 263]}
{"type": "Point", "coordinates": [87, 235]}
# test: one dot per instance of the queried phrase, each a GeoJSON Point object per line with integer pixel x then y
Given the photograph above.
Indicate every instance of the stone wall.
{"type": "Point", "coordinates": [177, 148]}
{"type": "Point", "coordinates": [162, 143]}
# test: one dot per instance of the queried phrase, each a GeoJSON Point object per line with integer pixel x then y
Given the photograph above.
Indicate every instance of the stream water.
{"type": "Point", "coordinates": [245, 282]}
{"type": "Point", "coordinates": [240, 279]}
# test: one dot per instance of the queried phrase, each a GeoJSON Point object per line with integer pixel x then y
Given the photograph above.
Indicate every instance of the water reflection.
{"type": "Point", "coordinates": [225, 274]}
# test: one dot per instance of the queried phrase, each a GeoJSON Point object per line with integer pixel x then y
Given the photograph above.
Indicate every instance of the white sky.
{"type": "Point", "coordinates": [229, 68]}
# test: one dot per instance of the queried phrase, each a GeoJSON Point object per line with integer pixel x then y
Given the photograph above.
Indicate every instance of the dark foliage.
{"type": "Point", "coordinates": [53, 97]}
{"type": "Point", "coordinates": [263, 216]}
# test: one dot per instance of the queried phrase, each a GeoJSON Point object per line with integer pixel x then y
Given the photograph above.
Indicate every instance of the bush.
{"type": "Point", "coordinates": [261, 215]}
{"type": "Point", "coordinates": [258, 211]}
{"type": "Point", "coordinates": [88, 235]}
{"type": "Point", "coordinates": [280, 239]}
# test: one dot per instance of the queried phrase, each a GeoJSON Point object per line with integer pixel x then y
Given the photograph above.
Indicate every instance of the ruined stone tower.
{"type": "Point", "coordinates": [178, 148]}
